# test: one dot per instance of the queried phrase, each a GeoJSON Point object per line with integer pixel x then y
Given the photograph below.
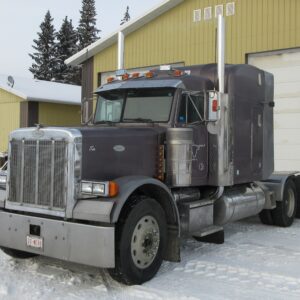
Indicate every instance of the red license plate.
{"type": "Point", "coordinates": [34, 242]}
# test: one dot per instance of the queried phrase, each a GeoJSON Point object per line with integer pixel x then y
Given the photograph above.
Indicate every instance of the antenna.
{"type": "Point", "coordinates": [10, 81]}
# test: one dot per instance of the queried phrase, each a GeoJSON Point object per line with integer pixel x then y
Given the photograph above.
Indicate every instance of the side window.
{"type": "Point", "coordinates": [191, 108]}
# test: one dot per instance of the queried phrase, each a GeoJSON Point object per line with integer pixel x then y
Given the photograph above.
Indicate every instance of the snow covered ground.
{"type": "Point", "coordinates": [256, 262]}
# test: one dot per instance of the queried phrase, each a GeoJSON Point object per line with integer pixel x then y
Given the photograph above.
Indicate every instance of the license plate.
{"type": "Point", "coordinates": [34, 242]}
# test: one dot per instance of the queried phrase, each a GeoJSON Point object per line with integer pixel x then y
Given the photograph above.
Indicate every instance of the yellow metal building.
{"type": "Point", "coordinates": [265, 33]}
{"type": "Point", "coordinates": [26, 102]}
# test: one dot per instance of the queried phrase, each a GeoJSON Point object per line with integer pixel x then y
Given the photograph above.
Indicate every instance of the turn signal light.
{"type": "Point", "coordinates": [160, 163]}
{"type": "Point", "coordinates": [113, 189]}
{"type": "Point", "coordinates": [215, 105]}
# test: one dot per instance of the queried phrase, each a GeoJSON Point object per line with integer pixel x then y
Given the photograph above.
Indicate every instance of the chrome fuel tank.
{"type": "Point", "coordinates": [238, 203]}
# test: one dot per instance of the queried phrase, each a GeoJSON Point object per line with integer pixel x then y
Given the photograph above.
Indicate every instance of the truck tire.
{"type": "Point", "coordinates": [141, 237]}
{"type": "Point", "coordinates": [266, 217]}
{"type": "Point", "coordinates": [284, 214]}
{"type": "Point", "coordinates": [17, 253]}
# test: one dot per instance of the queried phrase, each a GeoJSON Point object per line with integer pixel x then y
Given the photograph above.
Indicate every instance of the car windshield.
{"type": "Point", "coordinates": [137, 106]}
{"type": "Point", "coordinates": [4, 167]}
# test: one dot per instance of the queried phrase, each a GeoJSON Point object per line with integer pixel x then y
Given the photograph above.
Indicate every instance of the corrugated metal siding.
{"type": "Point", "coordinates": [258, 25]}
{"type": "Point", "coordinates": [105, 61]}
{"type": "Point", "coordinates": [59, 114]}
{"type": "Point", "coordinates": [9, 116]}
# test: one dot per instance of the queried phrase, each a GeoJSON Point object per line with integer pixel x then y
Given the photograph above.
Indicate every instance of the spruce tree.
{"type": "Point", "coordinates": [66, 47]}
{"type": "Point", "coordinates": [87, 30]}
{"type": "Point", "coordinates": [126, 17]}
{"type": "Point", "coordinates": [44, 56]}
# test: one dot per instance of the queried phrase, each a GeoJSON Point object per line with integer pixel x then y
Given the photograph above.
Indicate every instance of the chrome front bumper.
{"type": "Point", "coordinates": [74, 242]}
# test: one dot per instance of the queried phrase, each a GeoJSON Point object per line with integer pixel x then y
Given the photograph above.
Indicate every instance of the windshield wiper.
{"type": "Point", "coordinates": [139, 120]}
{"type": "Point", "coordinates": [105, 122]}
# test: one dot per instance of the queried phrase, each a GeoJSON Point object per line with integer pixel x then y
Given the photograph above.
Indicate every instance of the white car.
{"type": "Point", "coordinates": [3, 174]}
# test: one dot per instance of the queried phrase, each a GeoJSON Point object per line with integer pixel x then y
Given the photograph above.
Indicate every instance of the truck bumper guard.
{"type": "Point", "coordinates": [74, 242]}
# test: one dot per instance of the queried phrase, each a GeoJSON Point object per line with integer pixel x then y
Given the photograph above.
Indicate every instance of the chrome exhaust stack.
{"type": "Point", "coordinates": [121, 50]}
{"type": "Point", "coordinates": [221, 53]}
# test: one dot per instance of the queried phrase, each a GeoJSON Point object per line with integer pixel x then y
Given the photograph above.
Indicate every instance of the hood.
{"type": "Point", "coordinates": [111, 152]}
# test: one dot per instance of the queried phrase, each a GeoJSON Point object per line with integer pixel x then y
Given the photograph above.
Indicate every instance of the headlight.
{"type": "Point", "coordinates": [104, 189]}
{"type": "Point", "coordinates": [3, 179]}
{"type": "Point", "coordinates": [99, 189]}
{"type": "Point", "coordinates": [87, 187]}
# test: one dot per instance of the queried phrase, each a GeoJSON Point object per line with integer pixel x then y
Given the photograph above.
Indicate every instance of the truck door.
{"type": "Point", "coordinates": [191, 114]}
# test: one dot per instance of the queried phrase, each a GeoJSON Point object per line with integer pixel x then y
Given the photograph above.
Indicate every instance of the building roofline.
{"type": "Point", "coordinates": [54, 101]}
{"type": "Point", "coordinates": [13, 91]}
{"type": "Point", "coordinates": [25, 97]}
{"type": "Point", "coordinates": [127, 28]}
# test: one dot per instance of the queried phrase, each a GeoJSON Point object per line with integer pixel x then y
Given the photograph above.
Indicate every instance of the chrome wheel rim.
{"type": "Point", "coordinates": [290, 203]}
{"type": "Point", "coordinates": [145, 242]}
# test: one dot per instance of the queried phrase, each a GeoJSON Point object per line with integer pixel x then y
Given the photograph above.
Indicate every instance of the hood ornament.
{"type": "Point", "coordinates": [39, 126]}
{"type": "Point", "coordinates": [37, 133]}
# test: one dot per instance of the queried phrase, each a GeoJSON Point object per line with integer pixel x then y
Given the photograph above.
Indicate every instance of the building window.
{"type": "Point", "coordinates": [197, 15]}
{"type": "Point", "coordinates": [230, 9]}
{"type": "Point", "coordinates": [207, 13]}
{"type": "Point", "coordinates": [99, 81]}
{"type": "Point", "coordinates": [218, 10]}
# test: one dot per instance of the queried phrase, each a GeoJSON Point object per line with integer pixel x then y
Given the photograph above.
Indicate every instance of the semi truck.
{"type": "Point", "coordinates": [169, 154]}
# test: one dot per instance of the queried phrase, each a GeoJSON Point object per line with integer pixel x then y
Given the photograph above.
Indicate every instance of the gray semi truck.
{"type": "Point", "coordinates": [169, 154]}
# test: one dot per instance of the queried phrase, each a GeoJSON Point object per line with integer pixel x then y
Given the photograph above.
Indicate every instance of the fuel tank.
{"type": "Point", "coordinates": [238, 203]}
{"type": "Point", "coordinates": [112, 152]}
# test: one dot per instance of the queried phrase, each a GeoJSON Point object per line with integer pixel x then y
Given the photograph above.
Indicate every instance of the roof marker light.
{"type": "Point", "coordinates": [149, 74]}
{"type": "Point", "coordinates": [135, 75]}
{"type": "Point", "coordinates": [126, 76]}
{"type": "Point", "coordinates": [178, 73]}
{"type": "Point", "coordinates": [110, 79]}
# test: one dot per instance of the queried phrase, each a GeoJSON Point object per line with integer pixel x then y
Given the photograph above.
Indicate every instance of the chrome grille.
{"type": "Point", "coordinates": [38, 173]}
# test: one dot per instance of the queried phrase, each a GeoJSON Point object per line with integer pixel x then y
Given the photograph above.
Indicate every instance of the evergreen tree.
{"type": "Point", "coordinates": [44, 56]}
{"type": "Point", "coordinates": [87, 30]}
{"type": "Point", "coordinates": [66, 47]}
{"type": "Point", "coordinates": [126, 16]}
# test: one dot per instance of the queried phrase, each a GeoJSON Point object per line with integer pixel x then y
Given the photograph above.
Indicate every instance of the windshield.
{"type": "Point", "coordinates": [143, 105]}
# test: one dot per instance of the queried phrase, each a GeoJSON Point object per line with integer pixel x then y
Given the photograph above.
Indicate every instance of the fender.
{"type": "Point", "coordinates": [156, 189]}
{"type": "Point", "coordinates": [278, 180]}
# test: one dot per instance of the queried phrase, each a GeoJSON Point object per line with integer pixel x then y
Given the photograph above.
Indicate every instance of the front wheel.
{"type": "Point", "coordinates": [140, 243]}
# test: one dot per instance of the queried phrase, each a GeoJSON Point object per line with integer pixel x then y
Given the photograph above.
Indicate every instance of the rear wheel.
{"type": "Point", "coordinates": [140, 243]}
{"type": "Point", "coordinates": [284, 214]}
{"type": "Point", "coordinates": [17, 253]}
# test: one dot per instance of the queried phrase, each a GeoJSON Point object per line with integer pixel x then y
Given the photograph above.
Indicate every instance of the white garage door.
{"type": "Point", "coordinates": [285, 67]}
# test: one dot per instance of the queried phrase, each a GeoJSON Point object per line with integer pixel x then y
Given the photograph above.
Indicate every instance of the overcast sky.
{"type": "Point", "coordinates": [20, 20]}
